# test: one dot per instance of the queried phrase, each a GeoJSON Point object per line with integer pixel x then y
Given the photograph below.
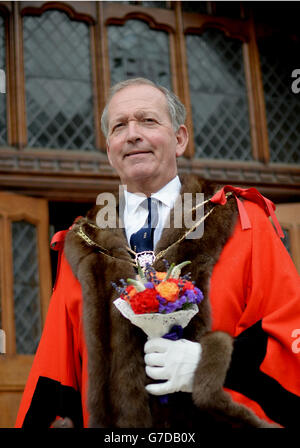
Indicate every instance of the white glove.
{"type": "Point", "coordinates": [174, 361]}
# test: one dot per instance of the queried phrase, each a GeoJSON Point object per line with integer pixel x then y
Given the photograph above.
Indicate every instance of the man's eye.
{"type": "Point", "coordinates": [118, 125]}
{"type": "Point", "coordinates": [149, 120]}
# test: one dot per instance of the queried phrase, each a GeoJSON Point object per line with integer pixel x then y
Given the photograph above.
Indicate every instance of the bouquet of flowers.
{"type": "Point", "coordinates": [157, 301]}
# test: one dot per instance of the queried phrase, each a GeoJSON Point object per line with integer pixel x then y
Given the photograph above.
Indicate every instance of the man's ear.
{"type": "Point", "coordinates": [182, 138]}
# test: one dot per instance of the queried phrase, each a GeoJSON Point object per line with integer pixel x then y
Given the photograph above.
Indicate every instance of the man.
{"type": "Point", "coordinates": [96, 369]}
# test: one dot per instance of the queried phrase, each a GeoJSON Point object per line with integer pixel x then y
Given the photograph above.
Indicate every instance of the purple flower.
{"type": "Point", "coordinates": [199, 294]}
{"type": "Point", "coordinates": [169, 307]}
{"type": "Point", "coordinates": [190, 295]}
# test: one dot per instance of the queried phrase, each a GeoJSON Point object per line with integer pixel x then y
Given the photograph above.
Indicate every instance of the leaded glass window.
{"type": "Point", "coordinates": [3, 133]}
{"type": "Point", "coordinates": [218, 96]}
{"type": "Point", "coordinates": [58, 82]}
{"type": "Point", "coordinates": [136, 50]}
{"type": "Point", "coordinates": [26, 287]}
{"type": "Point", "coordinates": [278, 59]}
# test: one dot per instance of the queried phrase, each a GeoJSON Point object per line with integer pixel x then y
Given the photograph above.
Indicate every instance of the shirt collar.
{"type": "Point", "coordinates": [133, 201]}
{"type": "Point", "coordinates": [167, 195]}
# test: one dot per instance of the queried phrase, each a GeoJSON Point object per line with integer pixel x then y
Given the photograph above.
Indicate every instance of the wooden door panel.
{"type": "Point", "coordinates": [20, 212]}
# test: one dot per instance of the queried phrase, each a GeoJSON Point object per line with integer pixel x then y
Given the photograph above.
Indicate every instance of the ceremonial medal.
{"type": "Point", "coordinates": [144, 258]}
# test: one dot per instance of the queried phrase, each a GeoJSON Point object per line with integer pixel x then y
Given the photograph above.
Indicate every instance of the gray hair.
{"type": "Point", "coordinates": [176, 108]}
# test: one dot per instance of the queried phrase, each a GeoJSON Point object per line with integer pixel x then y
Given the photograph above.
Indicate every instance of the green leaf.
{"type": "Point", "coordinates": [169, 272]}
{"type": "Point", "coordinates": [176, 271]}
{"type": "Point", "coordinates": [141, 273]}
{"type": "Point", "coordinates": [139, 286]}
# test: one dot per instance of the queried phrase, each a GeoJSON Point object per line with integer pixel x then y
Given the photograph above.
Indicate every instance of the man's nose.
{"type": "Point", "coordinates": [133, 131]}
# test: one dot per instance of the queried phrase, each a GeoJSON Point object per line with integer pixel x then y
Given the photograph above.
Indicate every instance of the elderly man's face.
{"type": "Point", "coordinates": [142, 145]}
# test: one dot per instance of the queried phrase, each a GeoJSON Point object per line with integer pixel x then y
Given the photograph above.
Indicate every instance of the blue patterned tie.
{"type": "Point", "coordinates": [142, 240]}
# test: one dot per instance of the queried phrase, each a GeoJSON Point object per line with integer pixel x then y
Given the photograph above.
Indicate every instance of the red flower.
{"type": "Point", "coordinates": [188, 285]}
{"type": "Point", "coordinates": [130, 291]}
{"type": "Point", "coordinates": [145, 302]}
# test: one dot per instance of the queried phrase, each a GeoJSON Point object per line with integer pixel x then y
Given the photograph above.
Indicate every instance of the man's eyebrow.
{"type": "Point", "coordinates": [119, 118]}
{"type": "Point", "coordinates": [144, 112]}
{"type": "Point", "coordinates": [138, 114]}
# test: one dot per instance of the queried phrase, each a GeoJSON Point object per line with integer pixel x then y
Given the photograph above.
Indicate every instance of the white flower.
{"type": "Point", "coordinates": [156, 324]}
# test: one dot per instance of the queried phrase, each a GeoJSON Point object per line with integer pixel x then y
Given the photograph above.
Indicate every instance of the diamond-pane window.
{"type": "Point", "coordinates": [136, 50]}
{"type": "Point", "coordinates": [218, 96]}
{"type": "Point", "coordinates": [58, 82]}
{"type": "Point", "coordinates": [3, 134]}
{"type": "Point", "coordinates": [278, 59]}
{"type": "Point", "coordinates": [26, 287]}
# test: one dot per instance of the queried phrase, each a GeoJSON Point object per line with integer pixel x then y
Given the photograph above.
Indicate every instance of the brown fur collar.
{"type": "Point", "coordinates": [116, 370]}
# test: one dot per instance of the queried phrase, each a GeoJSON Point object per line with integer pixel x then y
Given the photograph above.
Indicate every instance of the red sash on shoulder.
{"type": "Point", "coordinates": [252, 194]}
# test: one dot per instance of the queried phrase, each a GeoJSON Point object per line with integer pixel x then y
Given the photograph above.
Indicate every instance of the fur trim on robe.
{"type": "Point", "coordinates": [116, 370]}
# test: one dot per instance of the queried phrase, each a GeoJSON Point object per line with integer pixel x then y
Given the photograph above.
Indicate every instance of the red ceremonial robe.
{"type": "Point", "coordinates": [254, 291]}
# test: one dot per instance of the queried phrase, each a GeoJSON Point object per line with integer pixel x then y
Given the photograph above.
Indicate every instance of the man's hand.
{"type": "Point", "coordinates": [174, 361]}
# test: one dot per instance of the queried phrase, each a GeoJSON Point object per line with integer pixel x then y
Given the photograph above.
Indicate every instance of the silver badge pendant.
{"type": "Point", "coordinates": [144, 258]}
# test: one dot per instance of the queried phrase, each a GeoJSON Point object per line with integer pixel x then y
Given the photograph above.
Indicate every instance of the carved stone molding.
{"type": "Point", "coordinates": [67, 162]}
{"type": "Point", "coordinates": [233, 28]}
{"type": "Point", "coordinates": [57, 174]}
{"type": "Point", "coordinates": [157, 18]}
{"type": "Point", "coordinates": [81, 11]}
{"type": "Point", "coordinates": [248, 173]}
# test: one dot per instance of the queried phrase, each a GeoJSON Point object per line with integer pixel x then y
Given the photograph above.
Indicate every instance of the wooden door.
{"type": "Point", "coordinates": [289, 218]}
{"type": "Point", "coordinates": [25, 289]}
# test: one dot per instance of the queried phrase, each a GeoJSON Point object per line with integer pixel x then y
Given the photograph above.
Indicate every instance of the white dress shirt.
{"type": "Point", "coordinates": [135, 216]}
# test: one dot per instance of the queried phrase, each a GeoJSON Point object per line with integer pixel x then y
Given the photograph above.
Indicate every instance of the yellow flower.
{"type": "Point", "coordinates": [160, 275]}
{"type": "Point", "coordinates": [132, 292]}
{"type": "Point", "coordinates": [168, 290]}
